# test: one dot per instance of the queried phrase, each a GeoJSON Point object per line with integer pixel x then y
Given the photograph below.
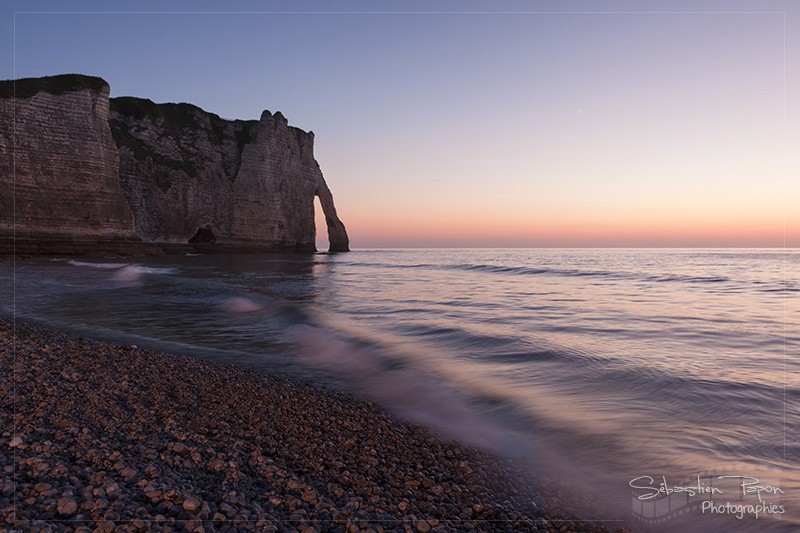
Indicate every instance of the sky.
{"type": "Point", "coordinates": [473, 124]}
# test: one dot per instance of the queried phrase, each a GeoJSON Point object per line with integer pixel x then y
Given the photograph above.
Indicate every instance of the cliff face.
{"type": "Point", "coordinates": [176, 173]}
{"type": "Point", "coordinates": [247, 184]}
{"type": "Point", "coordinates": [176, 165]}
{"type": "Point", "coordinates": [60, 181]}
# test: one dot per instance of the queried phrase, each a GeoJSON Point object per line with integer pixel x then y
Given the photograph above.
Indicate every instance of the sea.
{"type": "Point", "coordinates": [656, 380]}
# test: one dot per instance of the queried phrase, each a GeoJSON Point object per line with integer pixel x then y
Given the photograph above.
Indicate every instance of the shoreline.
{"type": "Point", "coordinates": [117, 437]}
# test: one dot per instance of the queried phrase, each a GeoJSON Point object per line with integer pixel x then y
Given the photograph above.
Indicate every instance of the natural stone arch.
{"type": "Point", "coordinates": [337, 234]}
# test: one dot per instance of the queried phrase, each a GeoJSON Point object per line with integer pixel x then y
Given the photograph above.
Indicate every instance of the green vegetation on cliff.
{"type": "Point", "coordinates": [175, 119]}
{"type": "Point", "coordinates": [181, 116]}
{"type": "Point", "coordinates": [27, 87]}
{"type": "Point", "coordinates": [176, 116]}
{"type": "Point", "coordinates": [124, 139]}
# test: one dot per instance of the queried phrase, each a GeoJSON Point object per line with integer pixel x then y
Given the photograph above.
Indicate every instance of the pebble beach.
{"type": "Point", "coordinates": [103, 437]}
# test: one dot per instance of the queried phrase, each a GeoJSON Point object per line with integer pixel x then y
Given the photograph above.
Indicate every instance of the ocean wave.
{"type": "Point", "coordinates": [238, 304]}
{"type": "Point", "coordinates": [125, 271]}
{"type": "Point", "coordinates": [133, 273]}
{"type": "Point", "coordinates": [687, 279]}
{"type": "Point", "coordinates": [549, 351]}
{"type": "Point", "coordinates": [545, 271]}
{"type": "Point", "coordinates": [781, 289]}
{"type": "Point", "coordinates": [104, 266]}
{"type": "Point", "coordinates": [413, 391]}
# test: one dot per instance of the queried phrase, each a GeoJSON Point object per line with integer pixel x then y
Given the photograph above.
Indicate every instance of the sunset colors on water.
{"type": "Point", "coordinates": [471, 265]}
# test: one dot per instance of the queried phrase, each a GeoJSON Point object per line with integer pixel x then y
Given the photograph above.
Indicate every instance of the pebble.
{"type": "Point", "coordinates": [67, 506]}
{"type": "Point", "coordinates": [127, 473]}
{"type": "Point", "coordinates": [191, 504]}
{"type": "Point", "coordinates": [422, 525]}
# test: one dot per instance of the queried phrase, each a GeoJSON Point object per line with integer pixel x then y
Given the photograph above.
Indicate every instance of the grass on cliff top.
{"type": "Point", "coordinates": [27, 87]}
{"type": "Point", "coordinates": [181, 116]}
{"type": "Point", "coordinates": [177, 118]}
{"type": "Point", "coordinates": [177, 115]}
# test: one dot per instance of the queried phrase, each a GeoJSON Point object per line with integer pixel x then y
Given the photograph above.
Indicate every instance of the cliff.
{"type": "Point", "coordinates": [181, 175]}
{"type": "Point", "coordinates": [59, 175]}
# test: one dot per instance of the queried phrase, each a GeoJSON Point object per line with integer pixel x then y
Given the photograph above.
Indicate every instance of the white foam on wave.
{"type": "Point", "coordinates": [408, 390]}
{"type": "Point", "coordinates": [134, 273]}
{"type": "Point", "coordinates": [128, 274]}
{"type": "Point", "coordinates": [451, 403]}
{"type": "Point", "coordinates": [104, 266]}
{"type": "Point", "coordinates": [238, 304]}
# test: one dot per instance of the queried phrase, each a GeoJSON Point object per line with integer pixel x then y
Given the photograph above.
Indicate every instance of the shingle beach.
{"type": "Point", "coordinates": [97, 436]}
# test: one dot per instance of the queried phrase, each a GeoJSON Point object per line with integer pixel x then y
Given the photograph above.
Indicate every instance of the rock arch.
{"type": "Point", "coordinates": [337, 234]}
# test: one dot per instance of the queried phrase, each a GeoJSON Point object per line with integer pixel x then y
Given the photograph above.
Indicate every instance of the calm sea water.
{"type": "Point", "coordinates": [605, 365]}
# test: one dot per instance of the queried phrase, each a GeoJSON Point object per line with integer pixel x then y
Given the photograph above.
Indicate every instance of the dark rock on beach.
{"type": "Point", "coordinates": [104, 437]}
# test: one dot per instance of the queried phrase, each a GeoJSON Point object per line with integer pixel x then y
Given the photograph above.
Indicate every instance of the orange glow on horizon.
{"type": "Point", "coordinates": [753, 231]}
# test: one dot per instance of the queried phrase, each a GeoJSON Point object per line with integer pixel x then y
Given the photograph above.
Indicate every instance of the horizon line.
{"type": "Point", "coordinates": [579, 247]}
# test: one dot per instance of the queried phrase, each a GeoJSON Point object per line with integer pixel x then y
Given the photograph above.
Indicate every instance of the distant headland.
{"type": "Point", "coordinates": [82, 173]}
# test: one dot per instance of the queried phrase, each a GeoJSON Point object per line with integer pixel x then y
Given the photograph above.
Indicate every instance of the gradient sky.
{"type": "Point", "coordinates": [597, 127]}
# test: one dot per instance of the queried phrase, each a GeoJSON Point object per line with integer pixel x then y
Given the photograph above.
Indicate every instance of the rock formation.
{"type": "Point", "coordinates": [175, 173]}
{"type": "Point", "coordinates": [59, 175]}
